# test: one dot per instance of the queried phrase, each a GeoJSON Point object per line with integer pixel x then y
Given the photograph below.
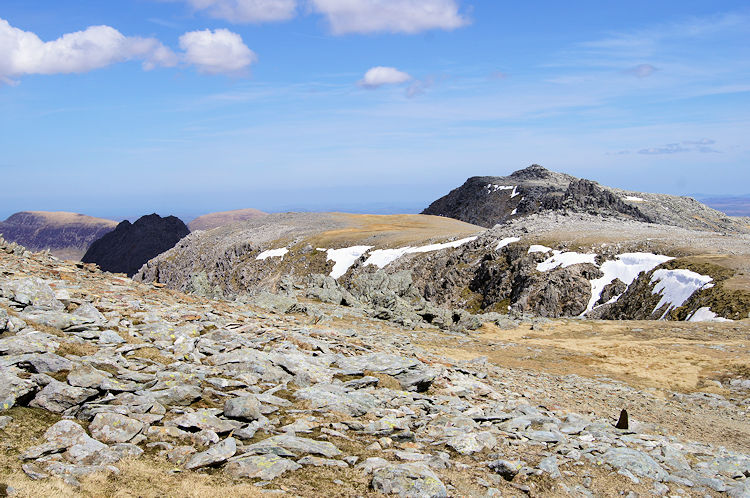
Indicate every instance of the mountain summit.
{"type": "Point", "coordinates": [130, 245]}
{"type": "Point", "coordinates": [489, 200]}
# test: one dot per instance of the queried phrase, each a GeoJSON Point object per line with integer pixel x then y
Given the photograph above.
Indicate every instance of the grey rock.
{"type": "Point", "coordinates": [299, 445]}
{"type": "Point", "coordinates": [58, 397]}
{"type": "Point", "coordinates": [245, 407]}
{"type": "Point", "coordinates": [179, 454]}
{"type": "Point", "coordinates": [265, 467]}
{"type": "Point", "coordinates": [216, 454]}
{"type": "Point", "coordinates": [14, 389]}
{"type": "Point", "coordinates": [508, 469]}
{"type": "Point", "coordinates": [86, 376]}
{"type": "Point", "coordinates": [376, 362]}
{"type": "Point", "coordinates": [32, 292]}
{"type": "Point", "coordinates": [549, 465]}
{"type": "Point", "coordinates": [4, 421]}
{"type": "Point", "coordinates": [321, 462]}
{"type": "Point", "coordinates": [114, 428]}
{"type": "Point", "coordinates": [204, 419]}
{"type": "Point", "coordinates": [409, 480]}
{"type": "Point", "coordinates": [335, 398]}
{"type": "Point", "coordinates": [28, 343]}
{"type": "Point", "coordinates": [178, 395]}
{"type": "Point", "coordinates": [635, 461]}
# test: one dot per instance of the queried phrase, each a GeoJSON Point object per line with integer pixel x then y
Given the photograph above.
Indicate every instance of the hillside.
{"type": "Point", "coordinates": [65, 235]}
{"type": "Point", "coordinates": [213, 220]}
{"type": "Point", "coordinates": [490, 200]}
{"type": "Point", "coordinates": [113, 387]}
{"type": "Point", "coordinates": [130, 245]}
{"type": "Point", "coordinates": [420, 269]}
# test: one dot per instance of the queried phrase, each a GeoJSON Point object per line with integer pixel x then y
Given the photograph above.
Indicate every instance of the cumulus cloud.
{"type": "Point", "coordinates": [220, 51]}
{"type": "Point", "coordinates": [247, 11]}
{"type": "Point", "coordinates": [381, 75]}
{"type": "Point", "coordinates": [23, 52]}
{"type": "Point", "coordinates": [641, 70]}
{"type": "Point", "coordinates": [394, 16]}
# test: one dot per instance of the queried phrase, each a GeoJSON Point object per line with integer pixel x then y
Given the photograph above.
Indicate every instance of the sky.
{"type": "Point", "coordinates": [120, 108]}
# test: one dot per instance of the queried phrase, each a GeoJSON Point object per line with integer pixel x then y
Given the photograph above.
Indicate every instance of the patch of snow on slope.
{"type": "Point", "coordinates": [676, 287]}
{"type": "Point", "coordinates": [633, 198]}
{"type": "Point", "coordinates": [538, 248]}
{"type": "Point", "coordinates": [565, 259]}
{"type": "Point", "coordinates": [273, 253]}
{"type": "Point", "coordinates": [382, 257]}
{"type": "Point", "coordinates": [514, 212]}
{"type": "Point", "coordinates": [506, 242]}
{"type": "Point", "coordinates": [706, 315]}
{"type": "Point", "coordinates": [344, 258]}
{"type": "Point", "coordinates": [491, 187]}
{"type": "Point", "coordinates": [626, 267]}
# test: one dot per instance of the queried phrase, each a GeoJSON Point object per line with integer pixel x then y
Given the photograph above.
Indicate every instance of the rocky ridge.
{"type": "Point", "coordinates": [214, 220]}
{"type": "Point", "coordinates": [65, 235]}
{"type": "Point", "coordinates": [489, 200]}
{"type": "Point", "coordinates": [130, 245]}
{"type": "Point", "coordinates": [452, 286]}
{"type": "Point", "coordinates": [297, 402]}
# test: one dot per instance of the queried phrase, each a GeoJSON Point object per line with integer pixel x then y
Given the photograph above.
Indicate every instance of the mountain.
{"type": "Point", "coordinates": [130, 245]}
{"type": "Point", "coordinates": [421, 269]}
{"type": "Point", "coordinates": [733, 206]}
{"type": "Point", "coordinates": [65, 235]}
{"type": "Point", "coordinates": [213, 220]}
{"type": "Point", "coordinates": [489, 200]}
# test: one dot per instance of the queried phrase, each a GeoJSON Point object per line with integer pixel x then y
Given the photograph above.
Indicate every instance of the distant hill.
{"type": "Point", "coordinates": [213, 220]}
{"type": "Point", "coordinates": [733, 206]}
{"type": "Point", "coordinates": [490, 200]}
{"type": "Point", "coordinates": [65, 235]}
{"type": "Point", "coordinates": [130, 245]}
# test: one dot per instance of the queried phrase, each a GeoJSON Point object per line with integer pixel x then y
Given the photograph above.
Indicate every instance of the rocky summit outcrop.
{"type": "Point", "coordinates": [213, 220]}
{"type": "Point", "coordinates": [130, 245]}
{"type": "Point", "coordinates": [65, 235]}
{"type": "Point", "coordinates": [490, 200]}
{"type": "Point", "coordinates": [110, 387]}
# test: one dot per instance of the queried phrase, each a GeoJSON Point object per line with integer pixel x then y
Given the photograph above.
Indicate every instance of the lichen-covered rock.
{"type": "Point", "coordinates": [218, 453]}
{"type": "Point", "coordinates": [265, 467]}
{"type": "Point", "coordinates": [114, 428]}
{"type": "Point", "coordinates": [408, 480]}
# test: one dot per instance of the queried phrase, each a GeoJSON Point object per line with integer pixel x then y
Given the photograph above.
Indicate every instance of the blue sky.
{"type": "Point", "coordinates": [125, 107]}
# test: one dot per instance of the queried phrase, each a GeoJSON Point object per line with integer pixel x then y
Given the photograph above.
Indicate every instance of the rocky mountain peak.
{"type": "Point", "coordinates": [131, 245]}
{"type": "Point", "coordinates": [491, 200]}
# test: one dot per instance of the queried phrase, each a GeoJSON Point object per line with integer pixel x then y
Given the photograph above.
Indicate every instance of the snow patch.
{"type": "Point", "coordinates": [676, 287]}
{"type": "Point", "coordinates": [626, 267]}
{"type": "Point", "coordinates": [273, 253]}
{"type": "Point", "coordinates": [383, 257]}
{"type": "Point", "coordinates": [515, 211]}
{"type": "Point", "coordinates": [491, 187]}
{"type": "Point", "coordinates": [344, 258]}
{"type": "Point", "coordinates": [633, 198]}
{"type": "Point", "coordinates": [565, 259]}
{"type": "Point", "coordinates": [506, 242]}
{"type": "Point", "coordinates": [539, 248]}
{"type": "Point", "coordinates": [706, 315]}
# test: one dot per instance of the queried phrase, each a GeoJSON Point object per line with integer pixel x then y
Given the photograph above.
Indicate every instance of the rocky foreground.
{"type": "Point", "coordinates": [100, 375]}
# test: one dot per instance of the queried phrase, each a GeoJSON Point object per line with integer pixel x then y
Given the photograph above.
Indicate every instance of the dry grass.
{"type": "Point", "coordinates": [77, 349]}
{"type": "Point", "coordinates": [152, 354]}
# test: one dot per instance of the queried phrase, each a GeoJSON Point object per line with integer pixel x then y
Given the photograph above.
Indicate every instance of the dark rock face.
{"type": "Point", "coordinates": [491, 200]}
{"type": "Point", "coordinates": [129, 246]}
{"type": "Point", "coordinates": [65, 235]}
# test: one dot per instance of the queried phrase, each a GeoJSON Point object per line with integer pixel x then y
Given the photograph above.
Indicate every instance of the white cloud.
{"type": "Point", "coordinates": [247, 11]}
{"type": "Point", "coordinates": [220, 51]}
{"type": "Point", "coordinates": [395, 16]}
{"type": "Point", "coordinates": [380, 75]}
{"type": "Point", "coordinates": [23, 52]}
